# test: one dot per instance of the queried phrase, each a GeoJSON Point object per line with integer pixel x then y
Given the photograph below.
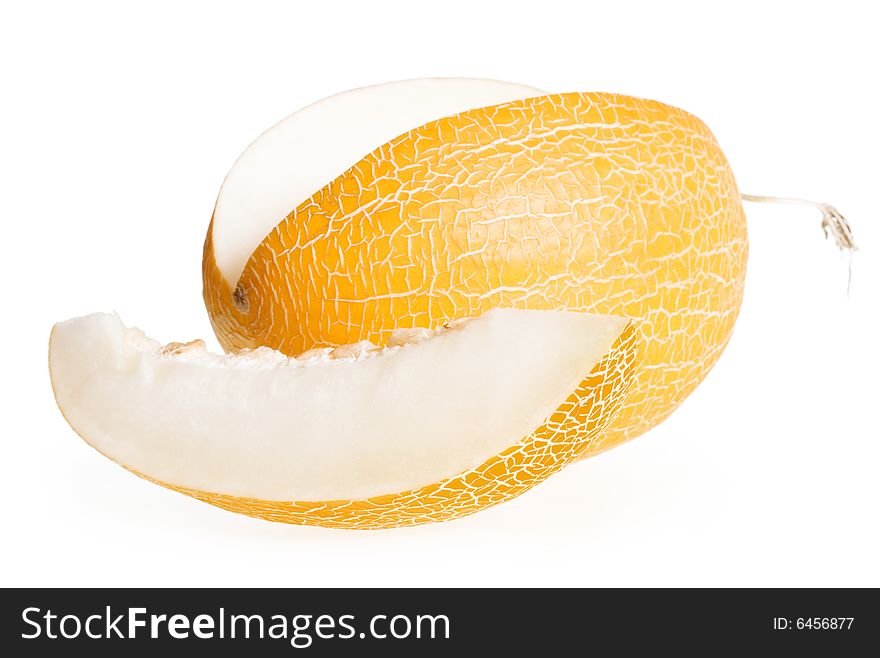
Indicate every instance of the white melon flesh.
{"type": "Point", "coordinates": [307, 150]}
{"type": "Point", "coordinates": [348, 424]}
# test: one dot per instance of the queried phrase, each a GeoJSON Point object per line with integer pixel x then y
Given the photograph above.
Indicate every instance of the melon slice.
{"type": "Point", "coordinates": [437, 424]}
{"type": "Point", "coordinates": [303, 152]}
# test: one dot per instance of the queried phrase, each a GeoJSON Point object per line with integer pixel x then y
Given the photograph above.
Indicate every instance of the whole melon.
{"type": "Point", "coordinates": [580, 201]}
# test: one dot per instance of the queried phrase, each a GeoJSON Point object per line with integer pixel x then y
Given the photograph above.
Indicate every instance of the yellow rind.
{"type": "Point", "coordinates": [574, 427]}
{"type": "Point", "coordinates": [586, 202]}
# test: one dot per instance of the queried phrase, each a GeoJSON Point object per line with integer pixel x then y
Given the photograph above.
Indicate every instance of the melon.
{"type": "Point", "coordinates": [412, 203]}
{"type": "Point", "coordinates": [433, 294]}
{"type": "Point", "coordinates": [438, 423]}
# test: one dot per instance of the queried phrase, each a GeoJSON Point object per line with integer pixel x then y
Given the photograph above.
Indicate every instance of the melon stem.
{"type": "Point", "coordinates": [833, 223]}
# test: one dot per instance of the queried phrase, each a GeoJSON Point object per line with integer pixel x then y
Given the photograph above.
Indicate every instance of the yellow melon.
{"type": "Point", "coordinates": [549, 275]}
{"type": "Point", "coordinates": [438, 424]}
{"type": "Point", "coordinates": [580, 201]}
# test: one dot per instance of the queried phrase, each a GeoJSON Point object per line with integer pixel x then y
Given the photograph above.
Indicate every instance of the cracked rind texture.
{"type": "Point", "coordinates": [574, 427]}
{"type": "Point", "coordinates": [585, 202]}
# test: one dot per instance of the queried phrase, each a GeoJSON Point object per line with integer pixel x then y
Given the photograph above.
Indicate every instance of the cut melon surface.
{"type": "Point", "coordinates": [439, 423]}
{"type": "Point", "coordinates": [298, 156]}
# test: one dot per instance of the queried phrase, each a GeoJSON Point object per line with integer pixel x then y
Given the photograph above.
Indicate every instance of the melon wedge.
{"type": "Point", "coordinates": [437, 424]}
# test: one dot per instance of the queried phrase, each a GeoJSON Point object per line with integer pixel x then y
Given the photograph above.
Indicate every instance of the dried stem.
{"type": "Point", "coordinates": [833, 223]}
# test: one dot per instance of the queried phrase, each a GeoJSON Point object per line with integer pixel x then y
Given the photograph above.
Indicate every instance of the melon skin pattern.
{"type": "Point", "coordinates": [583, 202]}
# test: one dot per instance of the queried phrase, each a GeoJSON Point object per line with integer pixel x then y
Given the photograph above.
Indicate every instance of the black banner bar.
{"type": "Point", "coordinates": [433, 622]}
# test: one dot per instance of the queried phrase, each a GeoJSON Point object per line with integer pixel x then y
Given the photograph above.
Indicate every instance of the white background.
{"type": "Point", "coordinates": [119, 124]}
